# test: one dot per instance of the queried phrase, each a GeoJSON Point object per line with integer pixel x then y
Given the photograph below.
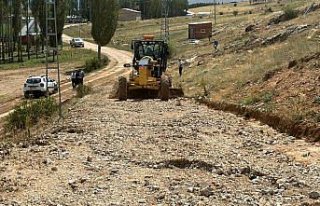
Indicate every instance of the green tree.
{"type": "Point", "coordinates": [62, 8]}
{"type": "Point", "coordinates": [38, 8]}
{"type": "Point", "coordinates": [17, 25]}
{"type": "Point", "coordinates": [104, 21]}
{"type": "Point", "coordinates": [152, 8]}
{"type": "Point", "coordinates": [39, 13]}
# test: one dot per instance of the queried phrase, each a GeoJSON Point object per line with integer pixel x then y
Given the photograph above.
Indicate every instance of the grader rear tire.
{"type": "Point", "coordinates": [164, 88]}
{"type": "Point", "coordinates": [122, 89]}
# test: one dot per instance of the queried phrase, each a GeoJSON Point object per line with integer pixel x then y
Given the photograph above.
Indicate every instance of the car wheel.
{"type": "Point", "coordinates": [26, 95]}
{"type": "Point", "coordinates": [46, 94]}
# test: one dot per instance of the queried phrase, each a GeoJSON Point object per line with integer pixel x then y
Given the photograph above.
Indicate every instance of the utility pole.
{"type": "Point", "coordinates": [78, 17]}
{"type": "Point", "coordinates": [27, 24]}
{"type": "Point", "coordinates": [164, 30]}
{"type": "Point", "coordinates": [52, 45]}
{"type": "Point", "coordinates": [215, 11]}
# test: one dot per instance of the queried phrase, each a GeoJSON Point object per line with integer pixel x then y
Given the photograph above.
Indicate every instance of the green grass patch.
{"type": "Point", "coordinates": [94, 64]}
{"type": "Point", "coordinates": [68, 55]}
{"type": "Point", "coordinates": [250, 100]}
{"type": "Point", "coordinates": [83, 90]}
{"type": "Point", "coordinates": [265, 97]}
{"type": "Point", "coordinates": [28, 114]}
{"type": "Point", "coordinates": [290, 13]}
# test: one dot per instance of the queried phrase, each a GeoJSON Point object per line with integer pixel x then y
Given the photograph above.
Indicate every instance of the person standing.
{"type": "Point", "coordinates": [73, 79]}
{"type": "Point", "coordinates": [81, 76]}
{"type": "Point", "coordinates": [180, 67]}
{"type": "Point", "coordinates": [215, 44]}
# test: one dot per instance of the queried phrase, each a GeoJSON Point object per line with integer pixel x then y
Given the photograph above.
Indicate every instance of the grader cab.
{"type": "Point", "coordinates": [148, 78]}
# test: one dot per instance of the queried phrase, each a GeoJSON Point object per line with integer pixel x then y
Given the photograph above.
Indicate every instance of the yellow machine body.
{"type": "Point", "coordinates": [148, 78]}
{"type": "Point", "coordinates": [144, 80]}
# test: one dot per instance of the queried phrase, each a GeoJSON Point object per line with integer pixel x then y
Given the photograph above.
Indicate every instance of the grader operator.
{"type": "Point", "coordinates": [148, 78]}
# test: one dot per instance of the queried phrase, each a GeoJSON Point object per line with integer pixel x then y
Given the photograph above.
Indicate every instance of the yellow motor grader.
{"type": "Point", "coordinates": [148, 78]}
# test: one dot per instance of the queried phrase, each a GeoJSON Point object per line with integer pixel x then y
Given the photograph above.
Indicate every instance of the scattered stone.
{"type": "Point", "coordinates": [190, 189]}
{"type": "Point", "coordinates": [157, 153]}
{"type": "Point", "coordinates": [89, 159]}
{"type": "Point", "coordinates": [292, 64]}
{"type": "Point", "coordinates": [314, 195]}
{"type": "Point", "coordinates": [206, 192]}
{"type": "Point", "coordinates": [73, 184]}
{"type": "Point", "coordinates": [114, 171]}
{"type": "Point", "coordinates": [249, 28]}
{"type": "Point", "coordinates": [283, 35]}
{"type": "Point", "coordinates": [161, 196]}
{"type": "Point", "coordinates": [46, 161]}
{"type": "Point", "coordinates": [142, 201]}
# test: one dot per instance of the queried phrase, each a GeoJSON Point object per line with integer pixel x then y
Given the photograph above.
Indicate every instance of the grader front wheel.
{"type": "Point", "coordinates": [122, 89]}
{"type": "Point", "coordinates": [164, 88]}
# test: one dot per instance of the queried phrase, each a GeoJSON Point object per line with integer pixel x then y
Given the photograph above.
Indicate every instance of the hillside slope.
{"type": "Point", "coordinates": [253, 44]}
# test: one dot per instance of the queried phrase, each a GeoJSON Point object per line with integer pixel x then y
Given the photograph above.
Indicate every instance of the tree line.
{"type": "Point", "coordinates": [16, 14]}
{"type": "Point", "coordinates": [152, 8]}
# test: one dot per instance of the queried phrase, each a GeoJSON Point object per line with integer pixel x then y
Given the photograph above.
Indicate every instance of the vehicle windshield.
{"type": "Point", "coordinates": [152, 49]}
{"type": "Point", "coordinates": [77, 39]}
{"type": "Point", "coordinates": [33, 80]}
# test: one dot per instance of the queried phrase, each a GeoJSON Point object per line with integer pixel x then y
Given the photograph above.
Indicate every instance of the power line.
{"type": "Point", "coordinates": [215, 11]}
{"type": "Point", "coordinates": [52, 36]}
{"type": "Point", "coordinates": [164, 31]}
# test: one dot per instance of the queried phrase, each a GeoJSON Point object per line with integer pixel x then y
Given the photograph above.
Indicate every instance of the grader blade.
{"type": "Point", "coordinates": [176, 92]}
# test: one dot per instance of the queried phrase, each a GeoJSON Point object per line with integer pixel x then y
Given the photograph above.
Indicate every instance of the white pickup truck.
{"type": "Point", "coordinates": [37, 86]}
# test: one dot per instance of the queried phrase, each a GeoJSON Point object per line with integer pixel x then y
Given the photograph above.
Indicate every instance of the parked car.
{"type": "Point", "coordinates": [194, 41]}
{"type": "Point", "coordinates": [76, 42]}
{"type": "Point", "coordinates": [37, 86]}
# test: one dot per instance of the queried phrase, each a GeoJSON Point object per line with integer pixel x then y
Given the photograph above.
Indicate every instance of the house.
{"type": "Point", "coordinates": [126, 14]}
{"type": "Point", "coordinates": [200, 30]}
{"type": "Point", "coordinates": [75, 19]}
{"type": "Point", "coordinates": [257, 1]}
{"type": "Point", "coordinates": [33, 31]}
{"type": "Point", "coordinates": [203, 14]}
{"type": "Point", "coordinates": [190, 14]}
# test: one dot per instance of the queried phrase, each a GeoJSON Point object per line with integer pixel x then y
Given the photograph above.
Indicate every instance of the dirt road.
{"type": "Point", "coordinates": [14, 79]}
{"type": "Point", "coordinates": [150, 152]}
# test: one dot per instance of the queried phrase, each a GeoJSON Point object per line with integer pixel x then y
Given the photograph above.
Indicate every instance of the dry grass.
{"type": "Point", "coordinates": [245, 7]}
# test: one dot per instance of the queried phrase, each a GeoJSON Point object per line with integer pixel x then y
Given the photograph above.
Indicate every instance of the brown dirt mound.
{"type": "Point", "coordinates": [301, 130]}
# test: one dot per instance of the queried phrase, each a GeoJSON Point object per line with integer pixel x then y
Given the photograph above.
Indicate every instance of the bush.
{"type": "Point", "coordinates": [289, 13]}
{"type": "Point", "coordinates": [235, 13]}
{"type": "Point", "coordinates": [250, 100]}
{"type": "Point", "coordinates": [95, 64]}
{"type": "Point", "coordinates": [268, 10]}
{"type": "Point", "coordinates": [83, 90]}
{"type": "Point", "coordinates": [29, 113]}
